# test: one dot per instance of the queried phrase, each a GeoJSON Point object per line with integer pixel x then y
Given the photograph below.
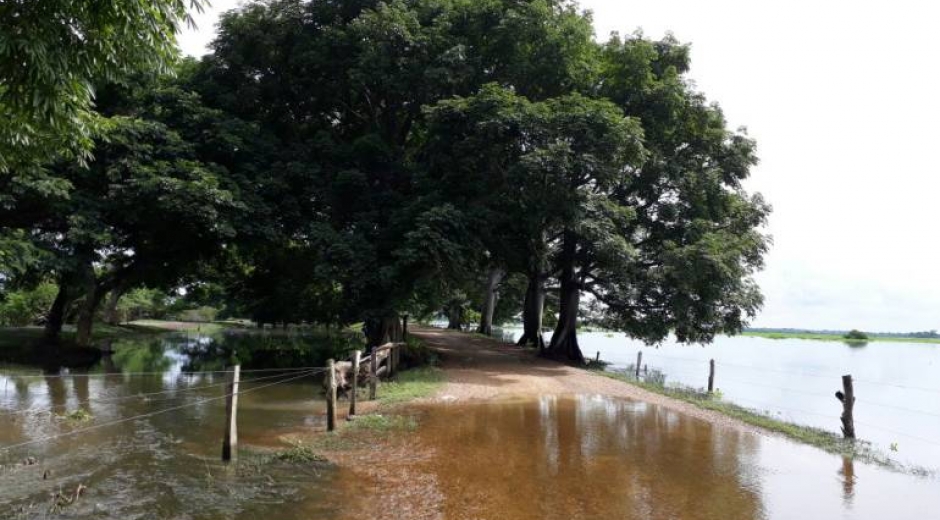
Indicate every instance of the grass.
{"type": "Point", "coordinates": [417, 383]}
{"type": "Point", "coordinates": [823, 439]}
{"type": "Point", "coordinates": [384, 423]}
{"type": "Point", "coordinates": [298, 453]}
{"type": "Point", "coordinates": [819, 336]}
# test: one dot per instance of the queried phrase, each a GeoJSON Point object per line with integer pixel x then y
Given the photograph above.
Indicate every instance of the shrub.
{"type": "Point", "coordinates": [856, 334]}
{"type": "Point", "coordinates": [27, 307]}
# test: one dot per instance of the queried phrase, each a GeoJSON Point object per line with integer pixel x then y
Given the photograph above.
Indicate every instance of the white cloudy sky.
{"type": "Point", "coordinates": [843, 98]}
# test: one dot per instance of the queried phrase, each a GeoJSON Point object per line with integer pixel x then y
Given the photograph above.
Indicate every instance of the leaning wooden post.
{"type": "Point", "coordinates": [711, 375]}
{"type": "Point", "coordinates": [230, 442]}
{"type": "Point", "coordinates": [639, 363]}
{"type": "Point", "coordinates": [848, 403]}
{"type": "Point", "coordinates": [373, 373]}
{"type": "Point", "coordinates": [355, 385]}
{"type": "Point", "coordinates": [330, 396]}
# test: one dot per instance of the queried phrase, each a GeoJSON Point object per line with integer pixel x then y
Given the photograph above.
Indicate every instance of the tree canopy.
{"type": "Point", "coordinates": [341, 161]}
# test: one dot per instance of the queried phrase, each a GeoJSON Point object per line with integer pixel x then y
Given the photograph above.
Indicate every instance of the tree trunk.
{"type": "Point", "coordinates": [532, 311]}
{"type": "Point", "coordinates": [86, 316]}
{"type": "Point", "coordinates": [56, 317]}
{"type": "Point", "coordinates": [114, 297]}
{"type": "Point", "coordinates": [455, 317]}
{"type": "Point", "coordinates": [564, 345]}
{"type": "Point", "coordinates": [489, 300]}
{"type": "Point", "coordinates": [382, 329]}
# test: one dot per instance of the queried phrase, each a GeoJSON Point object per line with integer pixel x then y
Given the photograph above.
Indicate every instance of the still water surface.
{"type": "Point", "coordinates": [897, 385]}
{"type": "Point", "coordinates": [553, 457]}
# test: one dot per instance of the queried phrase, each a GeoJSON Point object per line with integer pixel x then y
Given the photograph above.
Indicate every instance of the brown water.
{"type": "Point", "coordinates": [554, 457]}
{"type": "Point", "coordinates": [587, 457]}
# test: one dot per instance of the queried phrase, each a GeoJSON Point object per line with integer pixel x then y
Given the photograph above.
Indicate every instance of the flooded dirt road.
{"type": "Point", "coordinates": [594, 457]}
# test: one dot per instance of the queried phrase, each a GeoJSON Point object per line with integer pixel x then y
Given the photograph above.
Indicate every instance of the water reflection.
{"type": "Point", "coordinates": [587, 457]}
{"type": "Point", "coordinates": [847, 472]}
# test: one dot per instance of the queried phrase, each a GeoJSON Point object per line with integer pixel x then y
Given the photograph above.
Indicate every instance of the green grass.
{"type": "Point", "coordinates": [384, 423]}
{"type": "Point", "coordinates": [416, 383]}
{"type": "Point", "coordinates": [818, 336]}
{"type": "Point", "coordinates": [823, 439]}
{"type": "Point", "coordinates": [298, 453]}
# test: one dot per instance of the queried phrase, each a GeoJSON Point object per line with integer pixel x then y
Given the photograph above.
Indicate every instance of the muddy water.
{"type": "Point", "coordinates": [574, 457]}
{"type": "Point", "coordinates": [587, 457]}
{"type": "Point", "coordinates": [163, 465]}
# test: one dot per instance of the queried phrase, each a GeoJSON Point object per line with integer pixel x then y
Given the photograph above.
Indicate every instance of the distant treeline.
{"type": "Point", "coordinates": [922, 334]}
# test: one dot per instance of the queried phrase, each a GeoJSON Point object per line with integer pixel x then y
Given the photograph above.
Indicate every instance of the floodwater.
{"type": "Point", "coordinates": [591, 457]}
{"type": "Point", "coordinates": [897, 387]}
{"type": "Point", "coordinates": [165, 465]}
{"type": "Point", "coordinates": [568, 457]}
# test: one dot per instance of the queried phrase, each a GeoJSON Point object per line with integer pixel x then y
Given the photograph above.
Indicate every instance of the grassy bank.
{"type": "Point", "coordinates": [823, 439]}
{"type": "Point", "coordinates": [819, 336]}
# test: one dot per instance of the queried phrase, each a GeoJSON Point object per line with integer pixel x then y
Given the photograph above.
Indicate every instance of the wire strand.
{"type": "Point", "coordinates": [145, 396]}
{"type": "Point", "coordinates": [186, 374]}
{"type": "Point", "coordinates": [141, 416]}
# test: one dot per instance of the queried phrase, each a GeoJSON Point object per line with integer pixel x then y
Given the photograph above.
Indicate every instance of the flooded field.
{"type": "Point", "coordinates": [553, 457]}
{"type": "Point", "coordinates": [896, 385]}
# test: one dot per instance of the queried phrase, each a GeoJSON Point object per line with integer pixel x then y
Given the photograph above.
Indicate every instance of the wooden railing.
{"type": "Point", "coordinates": [383, 362]}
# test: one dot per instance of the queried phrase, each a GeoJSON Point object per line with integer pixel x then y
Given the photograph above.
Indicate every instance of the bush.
{"type": "Point", "coordinates": [27, 307]}
{"type": "Point", "coordinates": [201, 314]}
{"type": "Point", "coordinates": [856, 334]}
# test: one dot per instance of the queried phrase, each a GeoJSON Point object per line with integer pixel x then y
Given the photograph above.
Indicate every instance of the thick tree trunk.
{"type": "Point", "coordinates": [564, 343]}
{"type": "Point", "coordinates": [383, 329]}
{"type": "Point", "coordinates": [532, 311]}
{"type": "Point", "coordinates": [56, 317]}
{"type": "Point", "coordinates": [86, 315]}
{"type": "Point", "coordinates": [489, 300]}
{"type": "Point", "coordinates": [111, 315]}
{"type": "Point", "coordinates": [455, 317]}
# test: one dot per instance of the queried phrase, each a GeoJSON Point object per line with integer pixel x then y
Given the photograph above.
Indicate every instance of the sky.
{"type": "Point", "coordinates": [843, 98]}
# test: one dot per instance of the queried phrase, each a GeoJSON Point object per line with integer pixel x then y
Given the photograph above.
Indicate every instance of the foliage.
{"type": "Point", "coordinates": [142, 303]}
{"type": "Point", "coordinates": [23, 307]}
{"type": "Point", "coordinates": [51, 55]}
{"type": "Point", "coordinates": [856, 334]}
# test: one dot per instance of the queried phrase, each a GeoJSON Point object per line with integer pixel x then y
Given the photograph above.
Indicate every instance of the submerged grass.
{"type": "Point", "coordinates": [828, 441]}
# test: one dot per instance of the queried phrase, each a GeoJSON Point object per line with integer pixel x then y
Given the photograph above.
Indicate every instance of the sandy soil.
{"type": "Point", "coordinates": [478, 368]}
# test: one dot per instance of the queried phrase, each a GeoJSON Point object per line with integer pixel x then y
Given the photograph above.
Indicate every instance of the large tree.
{"type": "Point", "coordinates": [52, 53]}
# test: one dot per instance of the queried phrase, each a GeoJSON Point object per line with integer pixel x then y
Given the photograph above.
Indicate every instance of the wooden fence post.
{"type": "Point", "coordinates": [597, 358]}
{"type": "Point", "coordinates": [330, 396]}
{"type": "Point", "coordinates": [404, 328]}
{"type": "Point", "coordinates": [848, 403]}
{"type": "Point", "coordinates": [355, 385]}
{"type": "Point", "coordinates": [711, 375]}
{"type": "Point", "coordinates": [639, 363]}
{"type": "Point", "coordinates": [373, 373]}
{"type": "Point", "coordinates": [230, 442]}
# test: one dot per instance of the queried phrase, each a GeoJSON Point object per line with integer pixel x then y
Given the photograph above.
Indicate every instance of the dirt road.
{"type": "Point", "coordinates": [478, 368]}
